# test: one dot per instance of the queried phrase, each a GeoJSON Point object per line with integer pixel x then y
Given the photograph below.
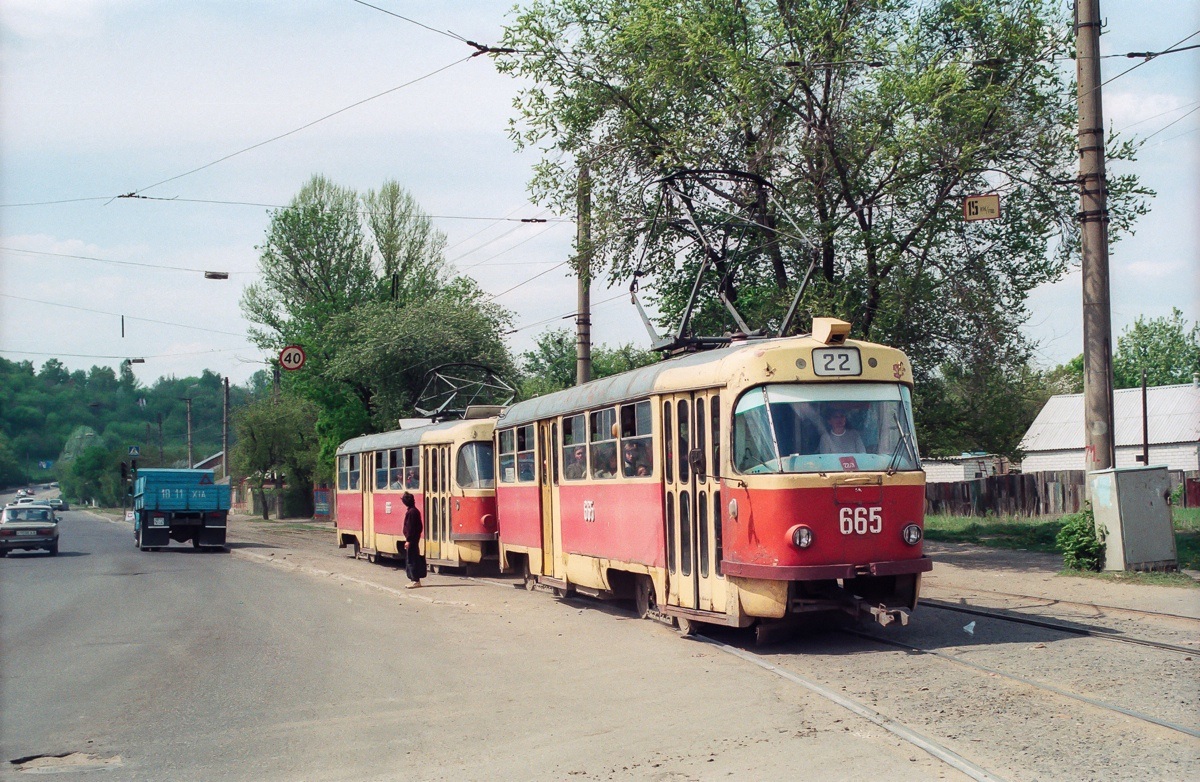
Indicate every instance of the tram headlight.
{"type": "Point", "coordinates": [912, 534]}
{"type": "Point", "coordinates": [801, 536]}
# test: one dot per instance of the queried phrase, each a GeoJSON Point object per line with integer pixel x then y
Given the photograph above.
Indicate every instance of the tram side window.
{"type": "Point", "coordinates": [525, 465]}
{"type": "Point", "coordinates": [575, 466]}
{"type": "Point", "coordinates": [508, 456]}
{"type": "Point", "coordinates": [354, 470]}
{"type": "Point", "coordinates": [475, 465]}
{"type": "Point", "coordinates": [343, 472]}
{"type": "Point", "coordinates": [412, 468]}
{"type": "Point", "coordinates": [604, 443]}
{"type": "Point", "coordinates": [381, 470]}
{"type": "Point", "coordinates": [395, 475]}
{"type": "Point", "coordinates": [637, 449]}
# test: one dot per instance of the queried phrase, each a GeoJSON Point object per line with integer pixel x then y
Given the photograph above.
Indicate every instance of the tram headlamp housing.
{"type": "Point", "coordinates": [912, 534]}
{"type": "Point", "coordinates": [801, 536]}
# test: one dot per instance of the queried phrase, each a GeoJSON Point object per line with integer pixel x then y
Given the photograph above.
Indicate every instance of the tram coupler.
{"type": "Point", "coordinates": [883, 615]}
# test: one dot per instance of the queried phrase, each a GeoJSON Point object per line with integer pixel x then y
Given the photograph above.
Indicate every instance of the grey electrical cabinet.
{"type": "Point", "coordinates": [1131, 508]}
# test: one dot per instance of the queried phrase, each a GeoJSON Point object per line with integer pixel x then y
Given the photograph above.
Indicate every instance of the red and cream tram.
{"type": "Point", "coordinates": [738, 486]}
{"type": "Point", "coordinates": [448, 469]}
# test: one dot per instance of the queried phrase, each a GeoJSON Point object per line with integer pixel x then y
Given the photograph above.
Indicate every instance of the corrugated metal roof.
{"type": "Point", "coordinates": [402, 438]}
{"type": "Point", "coordinates": [609, 390]}
{"type": "Point", "coordinates": [1173, 416]}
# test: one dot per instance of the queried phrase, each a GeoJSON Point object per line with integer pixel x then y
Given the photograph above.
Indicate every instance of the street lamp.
{"type": "Point", "coordinates": [188, 399]}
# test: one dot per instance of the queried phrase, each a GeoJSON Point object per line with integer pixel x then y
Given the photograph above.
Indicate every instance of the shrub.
{"type": "Point", "coordinates": [1081, 546]}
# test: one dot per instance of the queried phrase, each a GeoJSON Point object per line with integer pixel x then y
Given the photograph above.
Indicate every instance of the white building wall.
{"type": "Point", "coordinates": [1176, 456]}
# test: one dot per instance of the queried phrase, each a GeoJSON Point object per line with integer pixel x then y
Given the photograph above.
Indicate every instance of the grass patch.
{"type": "Point", "coordinates": [1022, 533]}
{"type": "Point", "coordinates": [1038, 533]}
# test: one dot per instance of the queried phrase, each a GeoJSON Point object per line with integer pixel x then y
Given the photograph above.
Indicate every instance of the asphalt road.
{"type": "Point", "coordinates": [177, 665]}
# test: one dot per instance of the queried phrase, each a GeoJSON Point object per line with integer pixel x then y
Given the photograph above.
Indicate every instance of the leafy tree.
{"type": "Point", "coordinates": [372, 316]}
{"type": "Point", "coordinates": [11, 473]}
{"type": "Point", "coordinates": [1164, 347]}
{"type": "Point", "coordinates": [855, 127]}
{"type": "Point", "coordinates": [276, 437]}
{"type": "Point", "coordinates": [550, 366]}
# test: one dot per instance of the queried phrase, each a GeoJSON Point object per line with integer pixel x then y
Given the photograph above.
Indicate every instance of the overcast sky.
{"type": "Point", "coordinates": [104, 97]}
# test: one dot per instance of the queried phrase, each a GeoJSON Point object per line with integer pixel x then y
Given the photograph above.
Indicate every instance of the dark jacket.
{"type": "Point", "coordinates": [412, 525]}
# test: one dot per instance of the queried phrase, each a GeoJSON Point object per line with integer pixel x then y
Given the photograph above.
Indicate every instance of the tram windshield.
{"type": "Point", "coordinates": [794, 428]}
{"type": "Point", "coordinates": [475, 462]}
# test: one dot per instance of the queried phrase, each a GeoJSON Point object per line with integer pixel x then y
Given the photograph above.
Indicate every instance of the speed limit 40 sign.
{"type": "Point", "coordinates": [291, 357]}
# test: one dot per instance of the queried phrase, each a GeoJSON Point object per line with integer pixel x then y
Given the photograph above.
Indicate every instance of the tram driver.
{"type": "Point", "coordinates": [838, 436]}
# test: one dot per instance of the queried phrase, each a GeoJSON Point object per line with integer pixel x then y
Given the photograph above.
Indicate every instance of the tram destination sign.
{"type": "Point", "coordinates": [981, 207]}
{"type": "Point", "coordinates": [837, 362]}
{"type": "Point", "coordinates": [292, 357]}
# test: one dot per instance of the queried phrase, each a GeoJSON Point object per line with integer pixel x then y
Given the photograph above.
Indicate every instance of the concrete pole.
{"type": "Point", "coordinates": [583, 269]}
{"type": "Point", "coordinates": [189, 425]}
{"type": "Point", "coordinates": [225, 436]}
{"type": "Point", "coordinates": [1093, 213]}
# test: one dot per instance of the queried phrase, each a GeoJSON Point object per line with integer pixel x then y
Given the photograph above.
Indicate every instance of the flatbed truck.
{"type": "Point", "coordinates": [179, 505]}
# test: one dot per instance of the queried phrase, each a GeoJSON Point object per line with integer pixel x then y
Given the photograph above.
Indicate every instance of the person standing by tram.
{"type": "Point", "coordinates": [414, 563]}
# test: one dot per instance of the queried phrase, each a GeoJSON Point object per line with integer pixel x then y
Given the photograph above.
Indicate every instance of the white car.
{"type": "Point", "coordinates": [29, 527]}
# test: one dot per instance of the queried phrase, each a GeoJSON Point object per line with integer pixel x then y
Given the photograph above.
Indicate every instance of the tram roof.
{"type": "Point", "coordinates": [405, 438]}
{"type": "Point", "coordinates": [680, 373]}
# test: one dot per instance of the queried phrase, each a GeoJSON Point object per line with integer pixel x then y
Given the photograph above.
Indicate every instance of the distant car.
{"type": "Point", "coordinates": [20, 492]}
{"type": "Point", "coordinates": [57, 503]}
{"type": "Point", "coordinates": [28, 527]}
{"type": "Point", "coordinates": [23, 501]}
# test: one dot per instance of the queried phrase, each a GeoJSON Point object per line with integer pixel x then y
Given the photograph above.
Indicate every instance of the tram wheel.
{"type": "Point", "coordinates": [644, 597]}
{"type": "Point", "coordinates": [435, 569]}
{"type": "Point", "coordinates": [527, 574]}
{"type": "Point", "coordinates": [354, 549]}
{"type": "Point", "coordinates": [686, 627]}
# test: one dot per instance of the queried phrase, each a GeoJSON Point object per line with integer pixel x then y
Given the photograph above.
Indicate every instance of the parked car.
{"type": "Point", "coordinates": [28, 527]}
{"type": "Point", "coordinates": [57, 503]}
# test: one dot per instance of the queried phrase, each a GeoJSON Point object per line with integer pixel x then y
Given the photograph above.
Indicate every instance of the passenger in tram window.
{"type": "Point", "coordinates": [838, 438]}
{"type": "Point", "coordinates": [525, 466]}
{"type": "Point", "coordinates": [642, 471]}
{"type": "Point", "coordinates": [604, 460]}
{"type": "Point", "coordinates": [576, 468]}
{"type": "Point", "coordinates": [632, 459]}
{"type": "Point", "coordinates": [410, 477]}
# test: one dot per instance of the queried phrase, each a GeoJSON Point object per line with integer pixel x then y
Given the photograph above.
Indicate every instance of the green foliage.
{"type": "Point", "coordinates": [363, 285]}
{"type": "Point", "coordinates": [11, 473]}
{"type": "Point", "coordinates": [277, 436]}
{"type": "Point", "coordinates": [1164, 347]}
{"type": "Point", "coordinates": [52, 415]}
{"type": "Point", "coordinates": [550, 366]}
{"type": "Point", "coordinates": [1082, 548]}
{"type": "Point", "coordinates": [867, 165]}
{"type": "Point", "coordinates": [95, 475]}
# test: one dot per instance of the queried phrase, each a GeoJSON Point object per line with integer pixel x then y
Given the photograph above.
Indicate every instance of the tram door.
{"type": "Point", "coordinates": [437, 499]}
{"type": "Point", "coordinates": [547, 480]}
{"type": "Point", "coordinates": [693, 504]}
{"type": "Point", "coordinates": [367, 488]}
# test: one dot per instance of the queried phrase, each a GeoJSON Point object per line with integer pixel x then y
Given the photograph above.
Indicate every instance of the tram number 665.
{"type": "Point", "coordinates": [860, 520]}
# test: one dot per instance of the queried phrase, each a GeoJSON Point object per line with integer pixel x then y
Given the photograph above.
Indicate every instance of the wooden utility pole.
{"type": "Point", "coordinates": [583, 270]}
{"type": "Point", "coordinates": [1093, 214]}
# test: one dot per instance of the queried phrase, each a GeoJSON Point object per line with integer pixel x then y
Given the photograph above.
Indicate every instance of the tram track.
{"type": "Point", "coordinates": [890, 724]}
{"type": "Point", "coordinates": [1010, 616]}
{"type": "Point", "coordinates": [1099, 609]}
{"type": "Point", "coordinates": [1028, 682]}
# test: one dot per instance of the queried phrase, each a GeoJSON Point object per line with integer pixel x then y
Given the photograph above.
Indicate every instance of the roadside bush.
{"type": "Point", "coordinates": [1082, 548]}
